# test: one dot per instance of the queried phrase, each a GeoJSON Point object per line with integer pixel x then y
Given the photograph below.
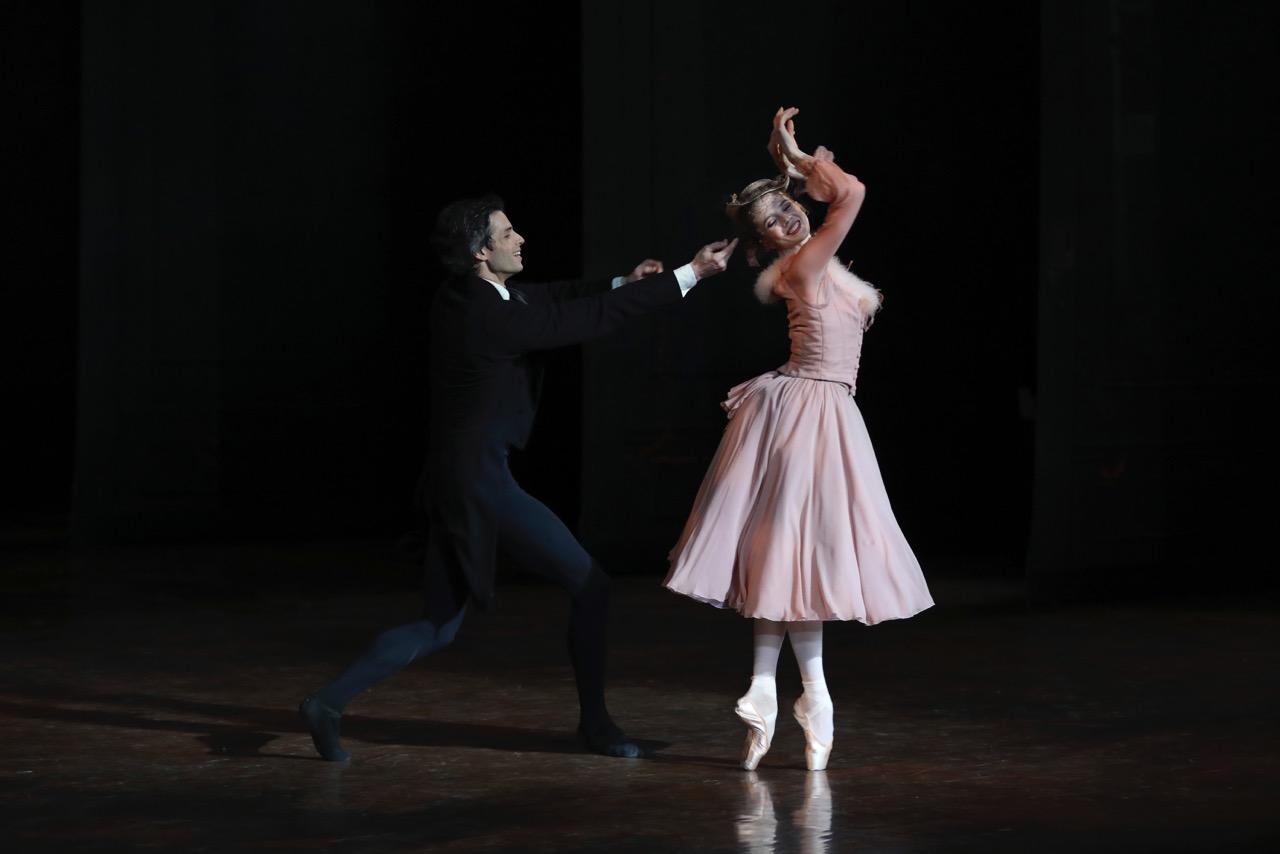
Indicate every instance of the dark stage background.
{"type": "Point", "coordinates": [217, 273]}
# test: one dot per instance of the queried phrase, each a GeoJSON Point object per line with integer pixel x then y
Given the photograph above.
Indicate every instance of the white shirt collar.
{"type": "Point", "coordinates": [502, 289]}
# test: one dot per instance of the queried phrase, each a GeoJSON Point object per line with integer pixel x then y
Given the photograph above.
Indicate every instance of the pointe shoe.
{"type": "Point", "coordinates": [759, 732]}
{"type": "Point", "coordinates": [816, 753]}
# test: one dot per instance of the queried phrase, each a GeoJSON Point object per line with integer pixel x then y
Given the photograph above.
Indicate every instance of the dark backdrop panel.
{"type": "Point", "coordinates": [40, 82]}
{"type": "Point", "coordinates": [1158, 369]}
{"type": "Point", "coordinates": [934, 107]}
{"type": "Point", "coordinates": [259, 183]}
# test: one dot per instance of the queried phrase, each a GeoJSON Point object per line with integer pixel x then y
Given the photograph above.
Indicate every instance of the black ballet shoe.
{"type": "Point", "coordinates": [322, 723]}
{"type": "Point", "coordinates": [608, 740]}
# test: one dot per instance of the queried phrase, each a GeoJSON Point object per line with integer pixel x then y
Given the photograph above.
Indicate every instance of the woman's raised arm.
{"type": "Point", "coordinates": [825, 182]}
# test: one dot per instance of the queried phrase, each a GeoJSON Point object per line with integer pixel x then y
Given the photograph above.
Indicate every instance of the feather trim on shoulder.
{"type": "Point", "coordinates": [766, 282]}
{"type": "Point", "coordinates": [868, 297]}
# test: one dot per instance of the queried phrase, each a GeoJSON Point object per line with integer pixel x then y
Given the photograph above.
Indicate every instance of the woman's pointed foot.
{"type": "Point", "coordinates": [322, 722]}
{"type": "Point", "coordinates": [760, 728]}
{"type": "Point", "coordinates": [816, 719]}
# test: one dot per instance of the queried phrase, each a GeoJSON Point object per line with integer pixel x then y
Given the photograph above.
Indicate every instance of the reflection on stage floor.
{"type": "Point", "coordinates": [143, 710]}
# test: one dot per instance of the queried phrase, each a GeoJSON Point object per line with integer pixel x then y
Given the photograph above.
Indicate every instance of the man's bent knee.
{"type": "Point", "coordinates": [594, 587]}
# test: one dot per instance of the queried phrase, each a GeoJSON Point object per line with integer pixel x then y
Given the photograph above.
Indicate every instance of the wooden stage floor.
{"type": "Point", "coordinates": [141, 712]}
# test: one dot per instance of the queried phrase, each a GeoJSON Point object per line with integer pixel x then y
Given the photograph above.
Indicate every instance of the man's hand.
{"type": "Point", "coordinates": [713, 258]}
{"type": "Point", "coordinates": [647, 267]}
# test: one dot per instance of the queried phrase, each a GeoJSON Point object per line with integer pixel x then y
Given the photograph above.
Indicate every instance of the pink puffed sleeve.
{"type": "Point", "coordinates": [826, 182]}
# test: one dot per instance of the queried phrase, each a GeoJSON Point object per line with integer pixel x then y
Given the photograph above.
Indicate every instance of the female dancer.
{"type": "Point", "coordinates": [792, 525]}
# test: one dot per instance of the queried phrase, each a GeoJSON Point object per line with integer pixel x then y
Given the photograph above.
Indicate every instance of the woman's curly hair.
{"type": "Point", "coordinates": [741, 212]}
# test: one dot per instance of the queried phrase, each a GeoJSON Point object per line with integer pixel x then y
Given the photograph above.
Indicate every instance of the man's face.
{"type": "Point", "coordinates": [502, 257]}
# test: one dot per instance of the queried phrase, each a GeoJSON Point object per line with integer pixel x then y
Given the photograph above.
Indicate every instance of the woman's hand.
{"type": "Point", "coordinates": [782, 144]}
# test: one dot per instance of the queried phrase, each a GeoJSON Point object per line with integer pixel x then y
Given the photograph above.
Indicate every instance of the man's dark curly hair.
{"type": "Point", "coordinates": [462, 230]}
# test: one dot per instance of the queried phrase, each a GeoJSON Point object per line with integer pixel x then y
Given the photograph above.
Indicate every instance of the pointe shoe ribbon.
{"type": "Point", "coordinates": [816, 753]}
{"type": "Point", "coordinates": [759, 732]}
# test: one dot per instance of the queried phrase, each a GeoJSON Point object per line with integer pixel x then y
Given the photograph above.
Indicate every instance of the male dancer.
{"type": "Point", "coordinates": [485, 383]}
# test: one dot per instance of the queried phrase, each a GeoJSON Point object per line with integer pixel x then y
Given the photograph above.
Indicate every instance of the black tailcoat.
{"type": "Point", "coordinates": [486, 378]}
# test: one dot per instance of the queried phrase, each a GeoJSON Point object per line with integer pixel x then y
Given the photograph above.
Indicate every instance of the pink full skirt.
{"type": "Point", "coordinates": [792, 521]}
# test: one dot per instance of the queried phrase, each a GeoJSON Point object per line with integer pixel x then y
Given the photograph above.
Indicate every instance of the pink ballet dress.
{"type": "Point", "coordinates": [792, 521]}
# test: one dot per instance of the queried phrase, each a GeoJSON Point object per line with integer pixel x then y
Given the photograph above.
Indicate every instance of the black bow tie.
{"type": "Point", "coordinates": [517, 296]}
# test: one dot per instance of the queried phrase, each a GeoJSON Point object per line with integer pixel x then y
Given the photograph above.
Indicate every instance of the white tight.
{"type": "Point", "coordinates": [768, 646]}
{"type": "Point", "coordinates": [806, 643]}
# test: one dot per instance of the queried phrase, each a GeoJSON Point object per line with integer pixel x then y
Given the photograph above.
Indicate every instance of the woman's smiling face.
{"type": "Point", "coordinates": [780, 222]}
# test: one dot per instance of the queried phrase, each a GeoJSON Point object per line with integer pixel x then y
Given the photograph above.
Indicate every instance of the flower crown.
{"type": "Point", "coordinates": [777, 185]}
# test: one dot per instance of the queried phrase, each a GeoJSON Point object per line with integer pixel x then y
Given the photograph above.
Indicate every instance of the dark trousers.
{"type": "Point", "coordinates": [539, 542]}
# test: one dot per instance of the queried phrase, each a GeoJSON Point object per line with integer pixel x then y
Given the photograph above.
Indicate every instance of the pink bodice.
{"type": "Point", "coordinates": [826, 335]}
